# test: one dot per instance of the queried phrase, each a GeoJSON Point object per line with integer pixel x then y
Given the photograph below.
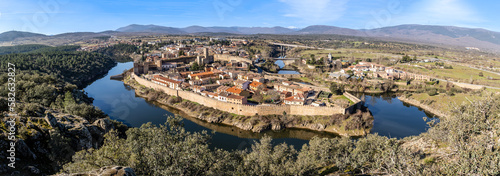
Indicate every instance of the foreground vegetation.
{"type": "Point", "coordinates": [55, 118]}
{"type": "Point", "coordinates": [466, 144]}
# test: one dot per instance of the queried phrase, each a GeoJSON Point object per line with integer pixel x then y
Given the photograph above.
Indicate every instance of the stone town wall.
{"type": "Point", "coordinates": [226, 57]}
{"type": "Point", "coordinates": [357, 103]}
{"type": "Point", "coordinates": [240, 109]}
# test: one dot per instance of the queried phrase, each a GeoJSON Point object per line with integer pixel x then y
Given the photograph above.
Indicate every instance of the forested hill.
{"type": "Point", "coordinates": [35, 48]}
{"type": "Point", "coordinates": [119, 52]}
{"type": "Point", "coordinates": [79, 68]}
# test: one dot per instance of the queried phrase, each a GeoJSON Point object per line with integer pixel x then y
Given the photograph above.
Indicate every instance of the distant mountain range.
{"type": "Point", "coordinates": [201, 29]}
{"type": "Point", "coordinates": [426, 34]}
{"type": "Point", "coordinates": [12, 35]}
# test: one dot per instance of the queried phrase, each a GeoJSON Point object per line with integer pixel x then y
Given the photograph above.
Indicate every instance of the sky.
{"type": "Point", "coordinates": [61, 16]}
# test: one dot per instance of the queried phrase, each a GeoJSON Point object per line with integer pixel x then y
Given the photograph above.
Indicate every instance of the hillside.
{"type": "Point", "coordinates": [12, 35]}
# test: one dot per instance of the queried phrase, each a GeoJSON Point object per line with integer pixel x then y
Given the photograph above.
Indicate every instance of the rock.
{"type": "Point", "coordinates": [24, 150]}
{"type": "Point", "coordinates": [260, 128]}
{"type": "Point", "coordinates": [317, 126]}
{"type": "Point", "coordinates": [83, 136]}
{"type": "Point", "coordinates": [276, 126]}
{"type": "Point", "coordinates": [32, 170]}
{"type": "Point", "coordinates": [244, 126]}
{"type": "Point", "coordinates": [39, 148]}
{"type": "Point", "coordinates": [51, 120]}
{"type": "Point", "coordinates": [36, 135]}
{"type": "Point", "coordinates": [107, 171]}
{"type": "Point", "coordinates": [104, 124]}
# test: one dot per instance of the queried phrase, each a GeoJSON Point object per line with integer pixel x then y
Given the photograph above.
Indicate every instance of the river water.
{"type": "Point", "coordinates": [281, 64]}
{"type": "Point", "coordinates": [119, 101]}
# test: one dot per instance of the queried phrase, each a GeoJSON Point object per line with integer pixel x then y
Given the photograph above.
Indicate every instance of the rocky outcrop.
{"type": "Point", "coordinates": [36, 148]}
{"type": "Point", "coordinates": [24, 150]}
{"type": "Point", "coordinates": [243, 125]}
{"type": "Point", "coordinates": [106, 171]}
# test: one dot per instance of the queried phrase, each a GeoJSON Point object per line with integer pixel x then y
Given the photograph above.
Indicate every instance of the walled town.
{"type": "Point", "coordinates": [230, 80]}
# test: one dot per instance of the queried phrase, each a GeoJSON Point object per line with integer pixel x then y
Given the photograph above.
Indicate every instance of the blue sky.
{"type": "Point", "coordinates": [60, 16]}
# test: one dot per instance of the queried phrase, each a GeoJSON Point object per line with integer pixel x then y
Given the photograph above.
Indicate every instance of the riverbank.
{"type": "Point", "coordinates": [357, 124]}
{"type": "Point", "coordinates": [425, 107]}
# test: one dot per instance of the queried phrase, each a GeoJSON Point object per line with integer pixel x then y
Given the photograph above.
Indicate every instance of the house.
{"type": "Point", "coordinates": [223, 97]}
{"type": "Point", "coordinates": [222, 89]}
{"type": "Point", "coordinates": [287, 83]}
{"type": "Point", "coordinates": [198, 89]}
{"type": "Point", "coordinates": [247, 76]}
{"type": "Point", "coordinates": [295, 100]}
{"type": "Point", "coordinates": [195, 82]}
{"type": "Point", "coordinates": [237, 91]}
{"type": "Point", "coordinates": [285, 94]}
{"type": "Point", "coordinates": [259, 79]}
{"type": "Point", "coordinates": [236, 99]}
{"type": "Point", "coordinates": [225, 82]}
{"type": "Point", "coordinates": [256, 86]}
{"type": "Point", "coordinates": [210, 87]}
{"type": "Point", "coordinates": [317, 103]}
{"type": "Point", "coordinates": [241, 84]}
{"type": "Point", "coordinates": [185, 85]}
{"type": "Point", "coordinates": [166, 82]}
{"type": "Point", "coordinates": [212, 95]}
{"type": "Point", "coordinates": [201, 75]}
{"type": "Point", "coordinates": [204, 93]}
{"type": "Point", "coordinates": [224, 76]}
{"type": "Point", "coordinates": [295, 89]}
{"type": "Point", "coordinates": [233, 74]}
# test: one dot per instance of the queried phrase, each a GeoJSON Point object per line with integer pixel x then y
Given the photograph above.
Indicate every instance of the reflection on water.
{"type": "Point", "coordinates": [280, 63]}
{"type": "Point", "coordinates": [393, 118]}
{"type": "Point", "coordinates": [288, 72]}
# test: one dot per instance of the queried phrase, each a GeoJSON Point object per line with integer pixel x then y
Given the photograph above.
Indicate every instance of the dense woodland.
{"type": "Point", "coordinates": [54, 79]}
{"type": "Point", "coordinates": [119, 52]}
{"type": "Point", "coordinates": [79, 68]}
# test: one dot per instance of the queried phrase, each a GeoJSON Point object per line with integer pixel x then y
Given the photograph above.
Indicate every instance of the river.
{"type": "Point", "coordinates": [120, 103]}
{"type": "Point", "coordinates": [281, 64]}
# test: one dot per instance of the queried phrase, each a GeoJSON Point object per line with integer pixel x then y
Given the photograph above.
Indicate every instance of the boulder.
{"type": "Point", "coordinates": [104, 124]}
{"type": "Point", "coordinates": [51, 120]}
{"type": "Point", "coordinates": [276, 125]}
{"type": "Point", "coordinates": [24, 150]}
{"type": "Point", "coordinates": [32, 170]}
{"type": "Point", "coordinates": [243, 125]}
{"type": "Point", "coordinates": [82, 135]}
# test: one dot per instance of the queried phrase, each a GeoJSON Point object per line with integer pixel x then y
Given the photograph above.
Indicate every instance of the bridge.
{"type": "Point", "coordinates": [287, 61]}
{"type": "Point", "coordinates": [298, 46]}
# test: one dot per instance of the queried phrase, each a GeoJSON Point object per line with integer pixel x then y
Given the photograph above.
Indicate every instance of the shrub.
{"type": "Point", "coordinates": [432, 92]}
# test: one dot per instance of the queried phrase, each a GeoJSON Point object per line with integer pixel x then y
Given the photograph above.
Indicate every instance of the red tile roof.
{"type": "Point", "coordinates": [158, 77]}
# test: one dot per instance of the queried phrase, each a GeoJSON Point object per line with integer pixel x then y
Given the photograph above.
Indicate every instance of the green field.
{"type": "Point", "coordinates": [458, 73]}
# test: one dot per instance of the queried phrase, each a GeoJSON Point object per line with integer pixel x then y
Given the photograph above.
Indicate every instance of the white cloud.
{"type": "Point", "coordinates": [442, 12]}
{"type": "Point", "coordinates": [317, 11]}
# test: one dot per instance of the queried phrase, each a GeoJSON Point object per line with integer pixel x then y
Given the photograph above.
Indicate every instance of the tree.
{"type": "Point", "coordinates": [181, 53]}
{"type": "Point", "coordinates": [481, 74]}
{"type": "Point", "coordinates": [405, 58]}
{"type": "Point", "coordinates": [68, 99]}
{"type": "Point", "coordinates": [194, 67]}
{"type": "Point", "coordinates": [337, 89]}
{"type": "Point", "coordinates": [321, 61]}
{"type": "Point", "coordinates": [258, 97]}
